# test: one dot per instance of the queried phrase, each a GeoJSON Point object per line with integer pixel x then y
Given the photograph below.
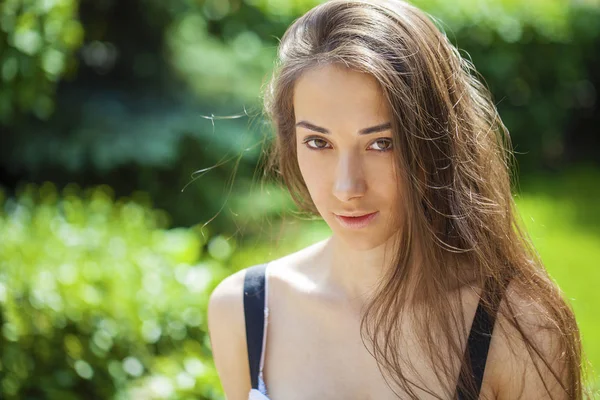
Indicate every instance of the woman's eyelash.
{"type": "Point", "coordinates": [315, 139]}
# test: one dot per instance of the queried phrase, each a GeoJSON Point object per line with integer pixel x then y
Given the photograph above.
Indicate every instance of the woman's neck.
{"type": "Point", "coordinates": [350, 274]}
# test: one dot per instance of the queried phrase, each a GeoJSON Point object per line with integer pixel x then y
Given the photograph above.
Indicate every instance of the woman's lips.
{"type": "Point", "coordinates": [356, 222]}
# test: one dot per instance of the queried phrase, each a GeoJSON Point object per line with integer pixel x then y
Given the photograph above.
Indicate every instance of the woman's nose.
{"type": "Point", "coordinates": [349, 178]}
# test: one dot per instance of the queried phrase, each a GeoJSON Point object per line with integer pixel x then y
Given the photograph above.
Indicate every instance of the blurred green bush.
{"type": "Point", "coordinates": [38, 40]}
{"type": "Point", "coordinates": [99, 300]}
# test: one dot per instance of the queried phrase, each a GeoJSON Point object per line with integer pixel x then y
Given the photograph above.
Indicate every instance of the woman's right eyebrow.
{"type": "Point", "coordinates": [364, 131]}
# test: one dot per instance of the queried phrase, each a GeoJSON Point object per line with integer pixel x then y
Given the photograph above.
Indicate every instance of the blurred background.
{"type": "Point", "coordinates": [130, 176]}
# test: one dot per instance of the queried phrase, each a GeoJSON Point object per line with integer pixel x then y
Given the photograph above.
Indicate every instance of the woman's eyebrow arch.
{"type": "Point", "coordinates": [365, 131]}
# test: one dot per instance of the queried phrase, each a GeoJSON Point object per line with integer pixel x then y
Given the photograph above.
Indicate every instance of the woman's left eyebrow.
{"type": "Point", "coordinates": [365, 131]}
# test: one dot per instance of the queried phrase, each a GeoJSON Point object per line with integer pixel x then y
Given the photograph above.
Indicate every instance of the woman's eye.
{"type": "Point", "coordinates": [316, 141]}
{"type": "Point", "coordinates": [383, 144]}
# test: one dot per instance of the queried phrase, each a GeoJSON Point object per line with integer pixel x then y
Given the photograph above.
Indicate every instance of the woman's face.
{"type": "Point", "coordinates": [344, 147]}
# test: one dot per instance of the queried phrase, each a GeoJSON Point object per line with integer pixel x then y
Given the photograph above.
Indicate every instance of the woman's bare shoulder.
{"type": "Point", "coordinates": [298, 266]}
{"type": "Point", "coordinates": [293, 266]}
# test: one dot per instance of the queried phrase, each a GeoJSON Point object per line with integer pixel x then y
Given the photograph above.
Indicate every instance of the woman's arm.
{"type": "Point", "coordinates": [519, 372]}
{"type": "Point", "coordinates": [227, 333]}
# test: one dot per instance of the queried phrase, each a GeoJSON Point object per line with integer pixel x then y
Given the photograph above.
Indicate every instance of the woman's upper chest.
{"type": "Point", "coordinates": [314, 350]}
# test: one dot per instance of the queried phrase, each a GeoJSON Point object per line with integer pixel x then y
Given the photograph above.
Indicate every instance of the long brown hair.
{"type": "Point", "coordinates": [454, 157]}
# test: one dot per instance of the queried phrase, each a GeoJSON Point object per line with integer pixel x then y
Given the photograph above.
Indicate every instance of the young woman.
{"type": "Point", "coordinates": [428, 287]}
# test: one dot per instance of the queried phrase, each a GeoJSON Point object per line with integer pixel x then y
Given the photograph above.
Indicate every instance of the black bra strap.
{"type": "Point", "coordinates": [478, 343]}
{"type": "Point", "coordinates": [254, 304]}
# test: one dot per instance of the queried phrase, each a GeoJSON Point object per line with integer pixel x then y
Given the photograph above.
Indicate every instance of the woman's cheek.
{"type": "Point", "coordinates": [314, 173]}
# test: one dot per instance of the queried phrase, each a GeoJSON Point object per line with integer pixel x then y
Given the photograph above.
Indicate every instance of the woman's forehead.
{"type": "Point", "coordinates": [331, 92]}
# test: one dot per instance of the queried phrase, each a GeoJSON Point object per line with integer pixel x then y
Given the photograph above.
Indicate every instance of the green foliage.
{"type": "Point", "coordinates": [37, 42]}
{"type": "Point", "coordinates": [223, 71]}
{"type": "Point", "coordinates": [99, 300]}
